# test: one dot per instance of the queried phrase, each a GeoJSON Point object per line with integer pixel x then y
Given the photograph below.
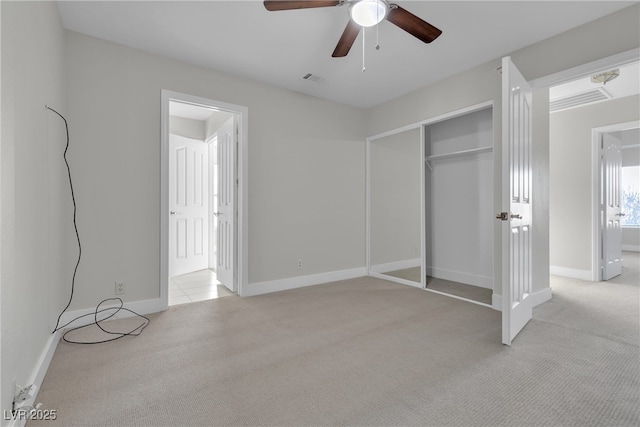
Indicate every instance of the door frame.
{"type": "Point", "coordinates": [597, 227]}
{"type": "Point", "coordinates": [242, 160]}
{"type": "Point", "coordinates": [565, 76]}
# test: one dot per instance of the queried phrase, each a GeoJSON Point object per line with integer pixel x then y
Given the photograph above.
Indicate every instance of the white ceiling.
{"type": "Point", "coordinates": [241, 37]}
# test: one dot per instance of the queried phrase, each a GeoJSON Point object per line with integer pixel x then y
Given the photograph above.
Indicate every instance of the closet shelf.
{"type": "Point", "coordinates": [459, 153]}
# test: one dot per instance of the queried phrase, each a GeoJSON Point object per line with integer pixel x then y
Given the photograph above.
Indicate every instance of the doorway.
{"type": "Point", "coordinates": [616, 226]}
{"type": "Point", "coordinates": [582, 109]}
{"type": "Point", "coordinates": [203, 198]}
{"type": "Point", "coordinates": [198, 264]}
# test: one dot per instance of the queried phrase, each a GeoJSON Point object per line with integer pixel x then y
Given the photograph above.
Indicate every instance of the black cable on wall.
{"type": "Point", "coordinates": [112, 311]}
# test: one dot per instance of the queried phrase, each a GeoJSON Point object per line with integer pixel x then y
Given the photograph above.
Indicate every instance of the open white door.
{"type": "Point", "coordinates": [188, 205]}
{"type": "Point", "coordinates": [516, 201]}
{"type": "Point", "coordinates": [610, 206]}
{"type": "Point", "coordinates": [225, 268]}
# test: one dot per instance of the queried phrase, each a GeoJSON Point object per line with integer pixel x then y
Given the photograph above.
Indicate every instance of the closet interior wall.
{"type": "Point", "coordinates": [459, 199]}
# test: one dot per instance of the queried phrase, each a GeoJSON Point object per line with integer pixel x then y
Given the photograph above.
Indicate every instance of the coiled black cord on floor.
{"type": "Point", "coordinates": [112, 311]}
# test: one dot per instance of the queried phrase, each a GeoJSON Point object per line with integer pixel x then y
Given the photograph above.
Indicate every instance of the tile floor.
{"type": "Point", "coordinates": [197, 286]}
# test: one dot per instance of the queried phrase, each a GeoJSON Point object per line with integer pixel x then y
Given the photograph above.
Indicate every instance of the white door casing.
{"type": "Point", "coordinates": [610, 206]}
{"type": "Point", "coordinates": [226, 213]}
{"type": "Point", "coordinates": [516, 201]}
{"type": "Point", "coordinates": [188, 205]}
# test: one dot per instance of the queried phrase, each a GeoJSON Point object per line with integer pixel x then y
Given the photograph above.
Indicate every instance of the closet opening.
{"type": "Point", "coordinates": [430, 205]}
{"type": "Point", "coordinates": [459, 206]}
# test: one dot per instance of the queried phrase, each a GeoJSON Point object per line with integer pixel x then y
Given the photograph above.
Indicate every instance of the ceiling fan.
{"type": "Point", "coordinates": [364, 13]}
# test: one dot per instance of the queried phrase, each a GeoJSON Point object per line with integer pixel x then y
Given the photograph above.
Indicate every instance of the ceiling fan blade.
{"type": "Point", "coordinates": [412, 24]}
{"type": "Point", "coordinates": [301, 4]}
{"type": "Point", "coordinates": [346, 40]}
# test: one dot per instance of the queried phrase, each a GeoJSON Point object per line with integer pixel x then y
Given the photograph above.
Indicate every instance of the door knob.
{"type": "Point", "coordinates": [175, 213]}
{"type": "Point", "coordinates": [217, 213]}
{"type": "Point", "coordinates": [504, 216]}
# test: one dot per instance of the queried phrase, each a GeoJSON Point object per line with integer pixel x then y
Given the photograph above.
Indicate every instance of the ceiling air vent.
{"type": "Point", "coordinates": [313, 78]}
{"type": "Point", "coordinates": [578, 99]}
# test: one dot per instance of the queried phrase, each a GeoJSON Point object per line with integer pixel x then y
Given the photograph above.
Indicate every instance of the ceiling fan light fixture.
{"type": "Point", "coordinates": [368, 13]}
{"type": "Point", "coordinates": [605, 77]}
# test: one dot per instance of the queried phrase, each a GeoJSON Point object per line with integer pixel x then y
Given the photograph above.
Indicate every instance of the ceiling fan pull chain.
{"type": "Point", "coordinates": [377, 30]}
{"type": "Point", "coordinates": [364, 31]}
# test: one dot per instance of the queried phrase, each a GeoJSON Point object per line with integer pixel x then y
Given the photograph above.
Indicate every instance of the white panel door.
{"type": "Point", "coordinates": [188, 205]}
{"type": "Point", "coordinates": [516, 201]}
{"type": "Point", "coordinates": [610, 206]}
{"type": "Point", "coordinates": [226, 213]}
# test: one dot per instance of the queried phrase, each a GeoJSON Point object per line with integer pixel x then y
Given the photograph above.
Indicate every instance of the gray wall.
{"type": "Point", "coordinates": [572, 177]}
{"type": "Point", "coordinates": [306, 170]}
{"type": "Point", "coordinates": [630, 157]}
{"type": "Point", "coordinates": [37, 246]}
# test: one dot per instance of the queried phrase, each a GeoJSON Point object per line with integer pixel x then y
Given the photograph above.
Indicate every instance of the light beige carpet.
{"type": "Point", "coordinates": [361, 352]}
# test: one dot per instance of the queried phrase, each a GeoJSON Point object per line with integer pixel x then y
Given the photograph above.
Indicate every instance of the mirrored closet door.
{"type": "Point", "coordinates": [395, 212]}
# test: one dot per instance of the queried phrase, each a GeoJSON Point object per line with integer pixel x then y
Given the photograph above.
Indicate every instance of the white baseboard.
{"type": "Point", "coordinates": [461, 277]}
{"type": "Point", "coordinates": [140, 307]}
{"type": "Point", "coordinates": [540, 297]}
{"type": "Point", "coordinates": [396, 265]}
{"type": "Point", "coordinates": [631, 248]}
{"type": "Point", "coordinates": [260, 288]}
{"type": "Point", "coordinates": [537, 298]}
{"type": "Point", "coordinates": [571, 273]}
{"type": "Point", "coordinates": [39, 372]}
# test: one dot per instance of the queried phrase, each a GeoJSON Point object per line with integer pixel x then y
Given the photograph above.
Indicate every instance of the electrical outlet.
{"type": "Point", "coordinates": [299, 264]}
{"type": "Point", "coordinates": [119, 288]}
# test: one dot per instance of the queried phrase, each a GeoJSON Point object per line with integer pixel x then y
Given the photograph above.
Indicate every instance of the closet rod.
{"type": "Point", "coordinates": [460, 153]}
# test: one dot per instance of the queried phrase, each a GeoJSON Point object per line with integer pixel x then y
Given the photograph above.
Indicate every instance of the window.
{"type": "Point", "coordinates": [631, 196]}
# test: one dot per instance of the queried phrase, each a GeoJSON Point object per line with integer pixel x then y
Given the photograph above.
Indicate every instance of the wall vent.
{"type": "Point", "coordinates": [313, 78]}
{"type": "Point", "coordinates": [579, 99]}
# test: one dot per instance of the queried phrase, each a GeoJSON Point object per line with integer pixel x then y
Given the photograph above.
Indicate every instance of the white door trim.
{"type": "Point", "coordinates": [596, 162]}
{"type": "Point", "coordinates": [242, 196]}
